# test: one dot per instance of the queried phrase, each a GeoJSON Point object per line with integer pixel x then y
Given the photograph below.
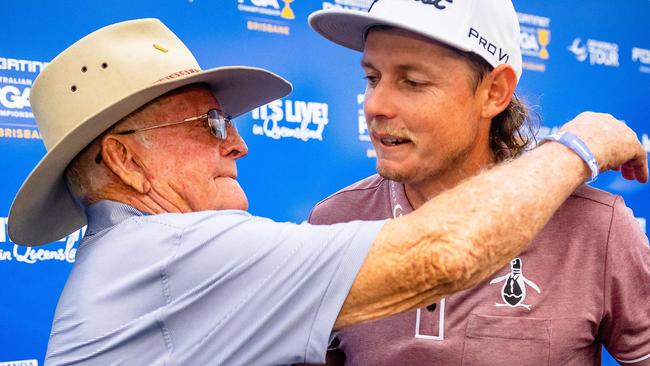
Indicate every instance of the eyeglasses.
{"type": "Point", "coordinates": [218, 122]}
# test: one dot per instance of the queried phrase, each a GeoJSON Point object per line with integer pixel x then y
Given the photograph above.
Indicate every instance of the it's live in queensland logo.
{"type": "Point", "coordinates": [269, 16]}
{"type": "Point", "coordinates": [534, 41]}
{"type": "Point", "coordinates": [291, 119]}
{"type": "Point", "coordinates": [16, 79]}
{"type": "Point", "coordinates": [64, 250]}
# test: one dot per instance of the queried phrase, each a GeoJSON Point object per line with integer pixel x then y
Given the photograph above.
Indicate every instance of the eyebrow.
{"type": "Point", "coordinates": [368, 64]}
{"type": "Point", "coordinates": [401, 67]}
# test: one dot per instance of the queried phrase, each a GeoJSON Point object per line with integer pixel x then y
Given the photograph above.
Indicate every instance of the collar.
{"type": "Point", "coordinates": [104, 214]}
{"type": "Point", "coordinates": [399, 203]}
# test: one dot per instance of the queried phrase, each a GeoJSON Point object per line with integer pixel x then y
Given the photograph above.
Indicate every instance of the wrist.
{"type": "Point", "coordinates": [578, 148]}
{"type": "Point", "coordinates": [567, 159]}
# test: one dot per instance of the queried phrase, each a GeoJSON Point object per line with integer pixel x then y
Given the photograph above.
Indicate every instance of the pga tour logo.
{"type": "Point", "coordinates": [296, 119]}
{"type": "Point", "coordinates": [598, 52]}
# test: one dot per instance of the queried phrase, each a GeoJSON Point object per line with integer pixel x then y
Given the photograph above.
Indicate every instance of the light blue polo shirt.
{"type": "Point", "coordinates": [204, 288]}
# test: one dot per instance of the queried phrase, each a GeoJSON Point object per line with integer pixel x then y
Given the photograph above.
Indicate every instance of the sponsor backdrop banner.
{"type": "Point", "coordinates": [585, 55]}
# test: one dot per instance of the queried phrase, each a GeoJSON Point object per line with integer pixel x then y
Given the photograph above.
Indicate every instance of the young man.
{"type": "Point", "coordinates": [440, 108]}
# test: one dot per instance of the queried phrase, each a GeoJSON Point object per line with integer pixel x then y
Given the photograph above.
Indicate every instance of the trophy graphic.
{"type": "Point", "coordinates": [287, 13]}
{"type": "Point", "coordinates": [544, 37]}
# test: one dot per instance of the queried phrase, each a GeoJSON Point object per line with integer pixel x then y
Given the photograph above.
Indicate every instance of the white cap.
{"type": "Point", "coordinates": [489, 28]}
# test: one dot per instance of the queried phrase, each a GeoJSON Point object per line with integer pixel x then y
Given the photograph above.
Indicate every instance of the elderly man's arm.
{"type": "Point", "coordinates": [462, 236]}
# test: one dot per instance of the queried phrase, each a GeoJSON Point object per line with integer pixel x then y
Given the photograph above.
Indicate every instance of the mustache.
{"type": "Point", "coordinates": [383, 128]}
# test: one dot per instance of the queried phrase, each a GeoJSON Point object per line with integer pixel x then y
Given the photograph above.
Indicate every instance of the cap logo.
{"type": "Point", "coordinates": [371, 5]}
{"type": "Point", "coordinates": [437, 3]}
{"type": "Point", "coordinates": [498, 52]}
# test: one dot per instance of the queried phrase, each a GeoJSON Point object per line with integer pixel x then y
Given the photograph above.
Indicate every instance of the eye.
{"type": "Point", "coordinates": [412, 83]}
{"type": "Point", "coordinates": [206, 124]}
{"type": "Point", "coordinates": [371, 80]}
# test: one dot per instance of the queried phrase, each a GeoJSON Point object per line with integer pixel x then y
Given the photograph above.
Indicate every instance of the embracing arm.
{"type": "Point", "coordinates": [465, 234]}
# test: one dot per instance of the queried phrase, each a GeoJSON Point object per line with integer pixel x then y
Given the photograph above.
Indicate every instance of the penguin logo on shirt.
{"type": "Point", "coordinates": [513, 291]}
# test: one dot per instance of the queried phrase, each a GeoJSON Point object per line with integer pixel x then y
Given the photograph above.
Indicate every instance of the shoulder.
{"type": "Point", "coordinates": [591, 212]}
{"type": "Point", "coordinates": [193, 220]}
{"type": "Point", "coordinates": [587, 212]}
{"type": "Point", "coordinates": [359, 201]}
{"type": "Point", "coordinates": [594, 197]}
{"type": "Point", "coordinates": [589, 205]}
{"type": "Point", "coordinates": [355, 192]}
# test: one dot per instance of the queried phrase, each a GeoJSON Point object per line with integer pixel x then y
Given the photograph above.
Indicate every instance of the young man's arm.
{"type": "Point", "coordinates": [465, 234]}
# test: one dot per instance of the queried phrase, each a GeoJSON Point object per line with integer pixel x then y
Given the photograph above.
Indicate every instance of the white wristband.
{"type": "Point", "coordinates": [574, 143]}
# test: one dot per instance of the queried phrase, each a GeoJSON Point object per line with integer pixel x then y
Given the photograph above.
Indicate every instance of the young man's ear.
{"type": "Point", "coordinates": [120, 158]}
{"type": "Point", "coordinates": [499, 89]}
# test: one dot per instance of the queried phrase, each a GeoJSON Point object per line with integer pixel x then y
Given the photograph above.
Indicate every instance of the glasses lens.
{"type": "Point", "coordinates": [217, 122]}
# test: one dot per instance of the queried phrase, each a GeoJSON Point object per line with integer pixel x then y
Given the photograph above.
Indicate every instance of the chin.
{"type": "Point", "coordinates": [242, 205]}
{"type": "Point", "coordinates": [397, 175]}
{"type": "Point", "coordinates": [228, 196]}
{"type": "Point", "coordinates": [236, 203]}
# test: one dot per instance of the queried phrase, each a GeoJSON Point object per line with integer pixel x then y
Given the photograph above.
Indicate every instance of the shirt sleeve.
{"type": "Point", "coordinates": [258, 292]}
{"type": "Point", "coordinates": [625, 329]}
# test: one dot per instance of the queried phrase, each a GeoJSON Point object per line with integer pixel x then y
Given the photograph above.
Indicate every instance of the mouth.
{"type": "Point", "coordinates": [226, 176]}
{"type": "Point", "coordinates": [390, 140]}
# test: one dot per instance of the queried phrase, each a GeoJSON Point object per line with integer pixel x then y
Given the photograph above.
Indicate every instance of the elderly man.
{"type": "Point", "coordinates": [440, 108]}
{"type": "Point", "coordinates": [172, 270]}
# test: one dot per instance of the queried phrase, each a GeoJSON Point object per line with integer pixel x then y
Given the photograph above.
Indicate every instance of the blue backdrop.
{"type": "Point", "coordinates": [580, 55]}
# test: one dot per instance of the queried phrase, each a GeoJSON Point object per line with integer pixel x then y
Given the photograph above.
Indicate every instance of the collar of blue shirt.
{"type": "Point", "coordinates": [104, 214]}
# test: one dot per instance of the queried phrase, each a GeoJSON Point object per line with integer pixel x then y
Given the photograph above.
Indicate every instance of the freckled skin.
{"type": "Point", "coordinates": [188, 160]}
{"type": "Point", "coordinates": [188, 169]}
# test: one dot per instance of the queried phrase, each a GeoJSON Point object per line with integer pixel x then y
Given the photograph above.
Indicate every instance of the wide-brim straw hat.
{"type": "Point", "coordinates": [96, 82]}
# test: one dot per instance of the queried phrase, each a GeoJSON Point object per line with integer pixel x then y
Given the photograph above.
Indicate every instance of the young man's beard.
{"type": "Point", "coordinates": [424, 174]}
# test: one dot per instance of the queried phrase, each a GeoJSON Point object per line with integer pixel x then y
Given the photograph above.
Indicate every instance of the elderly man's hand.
{"type": "Point", "coordinates": [614, 145]}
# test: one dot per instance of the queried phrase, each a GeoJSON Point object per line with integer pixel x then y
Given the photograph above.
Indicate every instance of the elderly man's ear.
{"type": "Point", "coordinates": [121, 157]}
{"type": "Point", "coordinates": [497, 89]}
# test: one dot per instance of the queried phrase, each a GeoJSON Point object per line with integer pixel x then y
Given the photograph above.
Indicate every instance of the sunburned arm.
{"type": "Point", "coordinates": [465, 234]}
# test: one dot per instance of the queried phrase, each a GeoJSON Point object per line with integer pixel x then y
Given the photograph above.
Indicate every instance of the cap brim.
{"type": "Point", "coordinates": [44, 211]}
{"type": "Point", "coordinates": [348, 27]}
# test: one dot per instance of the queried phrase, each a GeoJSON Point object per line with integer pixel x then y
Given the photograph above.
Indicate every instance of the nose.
{"type": "Point", "coordinates": [380, 102]}
{"type": "Point", "coordinates": [233, 146]}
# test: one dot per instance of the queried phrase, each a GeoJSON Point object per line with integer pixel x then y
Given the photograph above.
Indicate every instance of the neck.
{"type": "Point", "coordinates": [150, 203]}
{"type": "Point", "coordinates": [419, 192]}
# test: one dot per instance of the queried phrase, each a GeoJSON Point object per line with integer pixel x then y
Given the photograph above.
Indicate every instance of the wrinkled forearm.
{"type": "Point", "coordinates": [463, 235]}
